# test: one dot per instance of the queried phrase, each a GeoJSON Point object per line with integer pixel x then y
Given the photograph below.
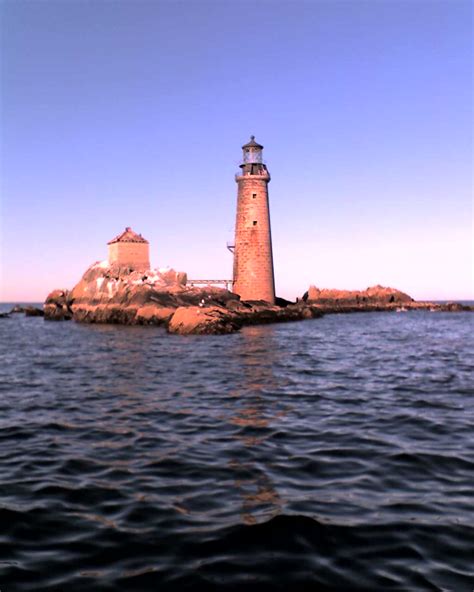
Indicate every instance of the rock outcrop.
{"type": "Point", "coordinates": [373, 295]}
{"type": "Point", "coordinates": [234, 315]}
{"type": "Point", "coordinates": [57, 306]}
{"type": "Point", "coordinates": [32, 311]}
{"type": "Point", "coordinates": [375, 299]}
{"type": "Point", "coordinates": [456, 307]}
{"type": "Point", "coordinates": [108, 294]}
{"type": "Point", "coordinates": [28, 311]}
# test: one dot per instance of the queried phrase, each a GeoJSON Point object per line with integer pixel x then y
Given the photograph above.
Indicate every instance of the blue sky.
{"type": "Point", "coordinates": [122, 113]}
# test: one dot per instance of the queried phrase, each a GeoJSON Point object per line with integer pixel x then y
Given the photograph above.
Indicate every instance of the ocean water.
{"type": "Point", "coordinates": [331, 454]}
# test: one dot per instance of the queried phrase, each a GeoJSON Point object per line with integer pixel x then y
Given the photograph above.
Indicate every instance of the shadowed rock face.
{"type": "Point", "coordinates": [32, 311]}
{"type": "Point", "coordinates": [57, 306]}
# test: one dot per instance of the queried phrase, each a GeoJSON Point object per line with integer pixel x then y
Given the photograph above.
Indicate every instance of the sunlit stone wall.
{"type": "Point", "coordinates": [253, 258]}
{"type": "Point", "coordinates": [130, 254]}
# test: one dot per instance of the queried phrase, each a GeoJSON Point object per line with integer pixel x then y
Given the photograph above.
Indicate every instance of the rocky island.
{"type": "Point", "coordinates": [109, 293]}
{"type": "Point", "coordinates": [126, 289]}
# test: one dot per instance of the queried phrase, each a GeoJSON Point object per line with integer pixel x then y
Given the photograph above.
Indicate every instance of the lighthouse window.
{"type": "Point", "coordinates": [255, 222]}
{"type": "Point", "coordinates": [254, 195]}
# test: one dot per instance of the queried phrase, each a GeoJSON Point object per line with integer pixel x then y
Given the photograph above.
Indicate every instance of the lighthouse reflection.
{"type": "Point", "coordinates": [253, 406]}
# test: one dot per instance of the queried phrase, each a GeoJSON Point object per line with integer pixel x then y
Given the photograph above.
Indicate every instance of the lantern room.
{"type": "Point", "coordinates": [252, 152]}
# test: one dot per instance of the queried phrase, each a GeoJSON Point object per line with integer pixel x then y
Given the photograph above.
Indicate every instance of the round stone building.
{"type": "Point", "coordinates": [253, 257]}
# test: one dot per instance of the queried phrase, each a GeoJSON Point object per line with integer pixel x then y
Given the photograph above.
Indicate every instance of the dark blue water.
{"type": "Point", "coordinates": [333, 454]}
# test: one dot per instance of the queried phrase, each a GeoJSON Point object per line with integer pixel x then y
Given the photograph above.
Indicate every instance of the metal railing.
{"type": "Point", "coordinates": [226, 283]}
{"type": "Point", "coordinates": [261, 173]}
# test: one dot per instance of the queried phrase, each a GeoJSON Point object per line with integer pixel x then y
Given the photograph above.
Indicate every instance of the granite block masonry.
{"type": "Point", "coordinates": [253, 276]}
{"type": "Point", "coordinates": [129, 250]}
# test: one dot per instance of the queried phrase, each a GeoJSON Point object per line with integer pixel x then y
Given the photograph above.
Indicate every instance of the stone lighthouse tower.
{"type": "Point", "coordinates": [253, 257]}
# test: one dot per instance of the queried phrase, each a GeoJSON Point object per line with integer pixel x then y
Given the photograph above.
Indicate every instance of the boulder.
{"type": "Point", "coordinates": [211, 320]}
{"type": "Point", "coordinates": [153, 314]}
{"type": "Point", "coordinates": [57, 306]}
{"type": "Point", "coordinates": [172, 277]}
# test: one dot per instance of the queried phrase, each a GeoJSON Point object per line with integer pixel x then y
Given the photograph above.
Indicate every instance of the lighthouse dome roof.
{"type": "Point", "coordinates": [252, 144]}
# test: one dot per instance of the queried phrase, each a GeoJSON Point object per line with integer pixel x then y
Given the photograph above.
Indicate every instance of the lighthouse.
{"type": "Point", "coordinates": [253, 258]}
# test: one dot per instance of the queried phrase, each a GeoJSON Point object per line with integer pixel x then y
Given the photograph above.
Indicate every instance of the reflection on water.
{"type": "Point", "coordinates": [259, 359]}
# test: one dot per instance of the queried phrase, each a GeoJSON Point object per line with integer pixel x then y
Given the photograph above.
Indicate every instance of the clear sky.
{"type": "Point", "coordinates": [133, 113]}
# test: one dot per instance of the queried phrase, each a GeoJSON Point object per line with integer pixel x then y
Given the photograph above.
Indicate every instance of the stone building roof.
{"type": "Point", "coordinates": [128, 236]}
{"type": "Point", "coordinates": [252, 144]}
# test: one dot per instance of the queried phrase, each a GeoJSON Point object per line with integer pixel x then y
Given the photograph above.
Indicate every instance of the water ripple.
{"type": "Point", "coordinates": [334, 454]}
